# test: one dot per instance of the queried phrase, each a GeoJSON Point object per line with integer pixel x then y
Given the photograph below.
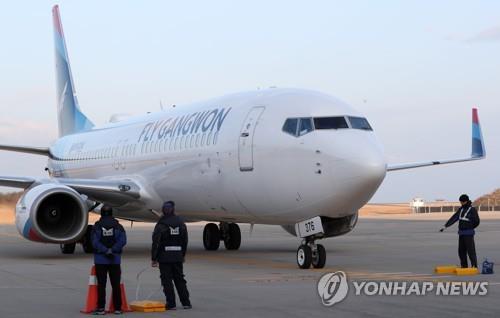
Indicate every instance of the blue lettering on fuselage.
{"type": "Point", "coordinates": [204, 121]}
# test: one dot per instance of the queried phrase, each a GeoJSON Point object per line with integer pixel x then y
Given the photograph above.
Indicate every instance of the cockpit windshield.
{"type": "Point", "coordinates": [359, 123]}
{"type": "Point", "coordinates": [330, 123]}
{"type": "Point", "coordinates": [300, 126]}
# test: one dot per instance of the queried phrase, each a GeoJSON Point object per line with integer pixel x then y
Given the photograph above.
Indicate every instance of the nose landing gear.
{"type": "Point", "coordinates": [310, 253]}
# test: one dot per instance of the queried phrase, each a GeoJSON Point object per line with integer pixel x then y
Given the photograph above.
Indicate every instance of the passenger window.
{"type": "Point", "coordinates": [290, 126]}
{"type": "Point", "coordinates": [360, 123]}
{"type": "Point", "coordinates": [305, 126]}
{"type": "Point", "coordinates": [330, 123]}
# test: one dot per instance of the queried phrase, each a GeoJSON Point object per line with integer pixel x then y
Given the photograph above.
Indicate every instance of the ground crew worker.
{"type": "Point", "coordinates": [468, 220]}
{"type": "Point", "coordinates": [108, 240]}
{"type": "Point", "coordinates": [168, 250]}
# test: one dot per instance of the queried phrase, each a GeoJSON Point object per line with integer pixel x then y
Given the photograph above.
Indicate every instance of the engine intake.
{"type": "Point", "coordinates": [52, 213]}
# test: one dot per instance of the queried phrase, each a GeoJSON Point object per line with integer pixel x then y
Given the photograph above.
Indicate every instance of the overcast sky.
{"type": "Point", "coordinates": [414, 68]}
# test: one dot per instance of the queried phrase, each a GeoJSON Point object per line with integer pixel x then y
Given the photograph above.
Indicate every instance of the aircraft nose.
{"type": "Point", "coordinates": [362, 172]}
{"type": "Point", "coordinates": [369, 166]}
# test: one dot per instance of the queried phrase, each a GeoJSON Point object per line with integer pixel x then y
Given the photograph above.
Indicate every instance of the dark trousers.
{"type": "Point", "coordinates": [115, 272]}
{"type": "Point", "coordinates": [171, 273]}
{"type": "Point", "coordinates": [466, 247]}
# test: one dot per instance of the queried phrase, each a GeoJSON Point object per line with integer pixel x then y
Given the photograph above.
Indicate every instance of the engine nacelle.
{"type": "Point", "coordinates": [331, 226]}
{"type": "Point", "coordinates": [51, 213]}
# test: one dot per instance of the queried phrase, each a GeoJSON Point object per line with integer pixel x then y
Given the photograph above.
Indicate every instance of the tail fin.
{"type": "Point", "coordinates": [70, 118]}
{"type": "Point", "coordinates": [478, 150]}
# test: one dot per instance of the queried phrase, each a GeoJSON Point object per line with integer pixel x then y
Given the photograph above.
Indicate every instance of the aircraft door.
{"type": "Point", "coordinates": [245, 148]}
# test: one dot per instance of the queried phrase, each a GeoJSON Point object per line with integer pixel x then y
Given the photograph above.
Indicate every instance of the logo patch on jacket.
{"type": "Point", "coordinates": [174, 230]}
{"type": "Point", "coordinates": [107, 232]}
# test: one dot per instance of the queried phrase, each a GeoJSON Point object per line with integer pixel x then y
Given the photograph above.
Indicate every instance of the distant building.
{"type": "Point", "coordinates": [416, 204]}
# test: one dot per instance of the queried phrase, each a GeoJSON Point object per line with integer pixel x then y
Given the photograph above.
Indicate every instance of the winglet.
{"type": "Point", "coordinates": [478, 150]}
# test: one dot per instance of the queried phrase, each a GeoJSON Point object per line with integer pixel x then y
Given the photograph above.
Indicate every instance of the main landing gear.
{"type": "Point", "coordinates": [68, 248]}
{"type": "Point", "coordinates": [230, 233]}
{"type": "Point", "coordinates": [86, 241]}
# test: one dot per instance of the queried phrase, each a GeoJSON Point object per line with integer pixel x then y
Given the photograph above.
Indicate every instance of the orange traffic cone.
{"type": "Point", "coordinates": [125, 306]}
{"type": "Point", "coordinates": [91, 294]}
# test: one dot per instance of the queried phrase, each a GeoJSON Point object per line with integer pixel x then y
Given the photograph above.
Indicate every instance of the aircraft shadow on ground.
{"type": "Point", "coordinates": [51, 252]}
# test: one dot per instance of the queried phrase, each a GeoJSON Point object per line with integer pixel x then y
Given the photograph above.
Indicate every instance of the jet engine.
{"type": "Point", "coordinates": [52, 213]}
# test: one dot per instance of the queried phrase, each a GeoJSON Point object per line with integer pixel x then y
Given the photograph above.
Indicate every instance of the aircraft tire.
{"type": "Point", "coordinates": [304, 256]}
{"type": "Point", "coordinates": [232, 239]}
{"type": "Point", "coordinates": [68, 248]}
{"type": "Point", "coordinates": [87, 246]}
{"type": "Point", "coordinates": [211, 237]}
{"type": "Point", "coordinates": [319, 257]}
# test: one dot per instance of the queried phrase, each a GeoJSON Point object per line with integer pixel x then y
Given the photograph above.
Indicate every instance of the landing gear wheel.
{"type": "Point", "coordinates": [211, 237]}
{"type": "Point", "coordinates": [319, 256]}
{"type": "Point", "coordinates": [68, 248]}
{"type": "Point", "coordinates": [304, 256]}
{"type": "Point", "coordinates": [87, 241]}
{"type": "Point", "coordinates": [232, 237]}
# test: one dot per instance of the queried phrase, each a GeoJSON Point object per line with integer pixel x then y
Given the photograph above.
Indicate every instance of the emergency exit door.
{"type": "Point", "coordinates": [245, 149]}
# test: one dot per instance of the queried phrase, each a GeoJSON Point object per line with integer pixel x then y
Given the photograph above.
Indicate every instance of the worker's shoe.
{"type": "Point", "coordinates": [99, 311]}
{"type": "Point", "coordinates": [118, 312]}
{"type": "Point", "coordinates": [187, 307]}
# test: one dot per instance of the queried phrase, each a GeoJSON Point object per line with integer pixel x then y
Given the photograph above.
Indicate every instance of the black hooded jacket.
{"type": "Point", "coordinates": [467, 217]}
{"type": "Point", "coordinates": [170, 239]}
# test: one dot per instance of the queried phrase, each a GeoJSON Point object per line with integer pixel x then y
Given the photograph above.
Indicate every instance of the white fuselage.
{"type": "Point", "coordinates": [228, 159]}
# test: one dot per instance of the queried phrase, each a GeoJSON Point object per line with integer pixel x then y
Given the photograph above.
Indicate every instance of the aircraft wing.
{"type": "Point", "coordinates": [32, 150]}
{"type": "Point", "coordinates": [117, 191]}
{"type": "Point", "coordinates": [478, 150]}
{"type": "Point", "coordinates": [104, 190]}
{"type": "Point", "coordinates": [16, 182]}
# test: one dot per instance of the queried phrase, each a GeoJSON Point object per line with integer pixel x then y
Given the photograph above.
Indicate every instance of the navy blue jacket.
{"type": "Point", "coordinates": [120, 238]}
{"type": "Point", "coordinates": [468, 219]}
{"type": "Point", "coordinates": [170, 239]}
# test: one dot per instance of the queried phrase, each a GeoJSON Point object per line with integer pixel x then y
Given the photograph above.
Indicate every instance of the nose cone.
{"type": "Point", "coordinates": [360, 172]}
{"type": "Point", "coordinates": [368, 168]}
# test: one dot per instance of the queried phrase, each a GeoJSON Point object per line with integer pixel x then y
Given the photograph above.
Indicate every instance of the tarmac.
{"type": "Point", "coordinates": [261, 279]}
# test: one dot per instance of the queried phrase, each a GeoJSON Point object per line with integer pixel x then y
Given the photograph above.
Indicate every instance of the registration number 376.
{"type": "Point", "coordinates": [309, 226]}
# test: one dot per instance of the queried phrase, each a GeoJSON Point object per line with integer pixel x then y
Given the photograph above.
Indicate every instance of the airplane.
{"type": "Point", "coordinates": [297, 158]}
